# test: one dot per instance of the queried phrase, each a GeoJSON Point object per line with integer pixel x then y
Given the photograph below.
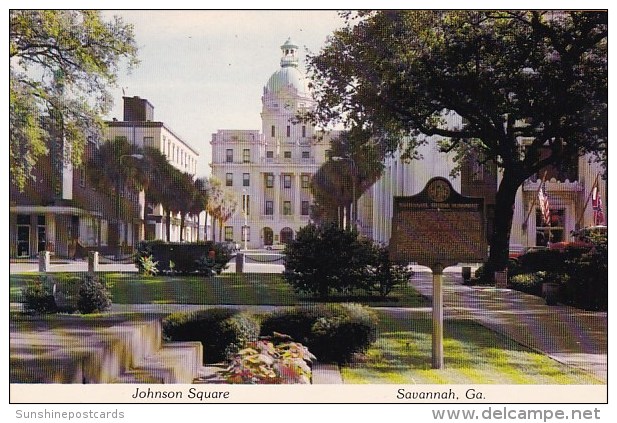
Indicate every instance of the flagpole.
{"type": "Point", "coordinates": [595, 185]}
{"type": "Point", "coordinates": [533, 203]}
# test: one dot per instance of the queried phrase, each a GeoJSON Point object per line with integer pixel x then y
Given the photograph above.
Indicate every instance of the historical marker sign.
{"type": "Point", "coordinates": [438, 226]}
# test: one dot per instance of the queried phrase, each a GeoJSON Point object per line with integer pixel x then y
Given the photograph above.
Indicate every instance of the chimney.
{"type": "Point", "coordinates": [137, 109]}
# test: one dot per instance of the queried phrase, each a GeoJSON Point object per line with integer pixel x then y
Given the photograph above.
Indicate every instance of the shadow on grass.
{"type": "Point", "coordinates": [472, 354]}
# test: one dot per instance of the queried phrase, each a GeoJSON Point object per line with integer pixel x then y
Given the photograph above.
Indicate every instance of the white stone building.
{"type": "Point", "coordinates": [270, 171]}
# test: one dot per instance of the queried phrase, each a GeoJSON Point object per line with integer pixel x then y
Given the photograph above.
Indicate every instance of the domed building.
{"type": "Point", "coordinates": [270, 170]}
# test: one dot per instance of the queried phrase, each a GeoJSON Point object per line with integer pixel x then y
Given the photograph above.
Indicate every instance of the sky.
{"type": "Point", "coordinates": [205, 70]}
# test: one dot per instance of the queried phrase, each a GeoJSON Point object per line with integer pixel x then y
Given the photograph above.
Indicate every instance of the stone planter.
{"type": "Point", "coordinates": [551, 292]}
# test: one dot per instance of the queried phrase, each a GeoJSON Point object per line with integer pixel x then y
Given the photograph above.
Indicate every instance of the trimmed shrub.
{"type": "Point", "coordinates": [38, 296]}
{"type": "Point", "coordinates": [333, 333]}
{"type": "Point", "coordinates": [326, 259]}
{"type": "Point", "coordinates": [530, 283]}
{"type": "Point", "coordinates": [222, 331]}
{"type": "Point", "coordinates": [297, 322]}
{"type": "Point", "coordinates": [204, 257]}
{"type": "Point", "coordinates": [338, 338]}
{"type": "Point", "coordinates": [93, 295]}
{"type": "Point", "coordinates": [587, 286]}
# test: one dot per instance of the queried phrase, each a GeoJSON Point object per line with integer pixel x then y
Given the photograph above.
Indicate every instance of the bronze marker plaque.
{"type": "Point", "coordinates": [438, 226]}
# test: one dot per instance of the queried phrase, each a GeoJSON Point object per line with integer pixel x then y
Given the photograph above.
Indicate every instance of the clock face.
{"type": "Point", "coordinates": [439, 191]}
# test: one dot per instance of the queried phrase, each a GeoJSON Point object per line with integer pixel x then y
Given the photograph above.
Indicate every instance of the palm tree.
{"type": "Point", "coordinates": [228, 206]}
{"type": "Point", "coordinates": [185, 190]}
{"type": "Point", "coordinates": [161, 184]}
{"type": "Point", "coordinates": [355, 166]}
{"type": "Point", "coordinates": [200, 199]}
{"type": "Point", "coordinates": [213, 205]}
{"type": "Point", "coordinates": [113, 168]}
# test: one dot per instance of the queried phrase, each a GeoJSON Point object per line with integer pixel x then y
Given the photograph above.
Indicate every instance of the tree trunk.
{"type": "Point", "coordinates": [198, 222]}
{"type": "Point", "coordinates": [220, 231]}
{"type": "Point", "coordinates": [182, 217]}
{"type": "Point", "coordinates": [168, 228]}
{"type": "Point", "coordinates": [504, 212]}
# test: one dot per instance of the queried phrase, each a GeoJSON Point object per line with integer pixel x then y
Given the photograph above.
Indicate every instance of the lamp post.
{"type": "Point", "coordinates": [354, 175]}
{"type": "Point", "coordinates": [245, 204]}
{"type": "Point", "coordinates": [119, 183]}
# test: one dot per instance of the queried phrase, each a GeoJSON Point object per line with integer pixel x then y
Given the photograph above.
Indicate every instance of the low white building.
{"type": "Point", "coordinates": [270, 170]}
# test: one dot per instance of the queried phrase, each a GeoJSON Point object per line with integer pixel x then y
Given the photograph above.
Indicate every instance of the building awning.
{"type": "Point", "coordinates": [73, 211]}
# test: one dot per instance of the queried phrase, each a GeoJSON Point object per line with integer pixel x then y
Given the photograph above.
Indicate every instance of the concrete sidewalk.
{"type": "Point", "coordinates": [575, 337]}
{"type": "Point", "coordinates": [29, 266]}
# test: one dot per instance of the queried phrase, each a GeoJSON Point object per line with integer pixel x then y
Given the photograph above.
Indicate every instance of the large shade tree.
{"type": "Point", "coordinates": [541, 76]}
{"type": "Point", "coordinates": [61, 64]}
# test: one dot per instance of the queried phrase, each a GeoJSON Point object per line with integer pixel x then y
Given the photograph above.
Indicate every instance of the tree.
{"type": "Point", "coordinates": [213, 205]}
{"type": "Point", "coordinates": [228, 205]}
{"type": "Point", "coordinates": [61, 64]}
{"type": "Point", "coordinates": [338, 184]}
{"type": "Point", "coordinates": [199, 201]}
{"type": "Point", "coordinates": [536, 75]}
{"type": "Point", "coordinates": [113, 168]}
{"type": "Point", "coordinates": [184, 189]}
{"type": "Point", "coordinates": [161, 183]}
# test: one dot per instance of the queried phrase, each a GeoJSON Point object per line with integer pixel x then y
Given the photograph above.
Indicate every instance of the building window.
{"type": "Point", "coordinates": [246, 232]}
{"type": "Point", "coordinates": [269, 208]}
{"type": "Point", "coordinates": [286, 208]}
{"type": "Point", "coordinates": [303, 131]}
{"type": "Point", "coordinates": [305, 208]}
{"type": "Point", "coordinates": [82, 176]}
{"type": "Point", "coordinates": [272, 131]}
{"type": "Point", "coordinates": [246, 204]}
{"type": "Point", "coordinates": [288, 131]}
{"type": "Point", "coordinates": [229, 233]}
{"type": "Point", "coordinates": [269, 154]}
{"type": "Point", "coordinates": [229, 179]}
{"type": "Point", "coordinates": [246, 179]}
{"type": "Point", "coordinates": [553, 231]}
{"type": "Point", "coordinates": [148, 141]}
{"type": "Point", "coordinates": [246, 155]}
{"type": "Point", "coordinates": [306, 154]}
{"type": "Point", "coordinates": [229, 155]}
{"type": "Point", "coordinates": [287, 154]}
{"type": "Point", "coordinates": [269, 180]}
{"type": "Point", "coordinates": [305, 181]}
{"type": "Point", "coordinates": [328, 154]}
{"type": "Point", "coordinates": [286, 181]}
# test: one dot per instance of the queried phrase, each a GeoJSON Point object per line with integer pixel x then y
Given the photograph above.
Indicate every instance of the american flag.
{"type": "Point", "coordinates": [596, 202]}
{"type": "Point", "coordinates": [544, 207]}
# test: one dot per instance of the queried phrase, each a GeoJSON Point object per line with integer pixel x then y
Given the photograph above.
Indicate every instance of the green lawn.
{"type": "Point", "coordinates": [402, 353]}
{"type": "Point", "coordinates": [227, 288]}
{"type": "Point", "coordinates": [472, 355]}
